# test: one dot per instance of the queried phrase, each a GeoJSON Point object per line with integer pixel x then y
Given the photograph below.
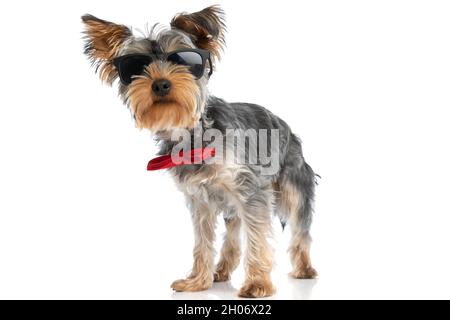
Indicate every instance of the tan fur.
{"type": "Point", "coordinates": [259, 256]}
{"type": "Point", "coordinates": [257, 225]}
{"type": "Point", "coordinates": [201, 277]}
{"type": "Point", "coordinates": [105, 40]}
{"type": "Point", "coordinates": [257, 285]}
{"type": "Point", "coordinates": [289, 202]}
{"type": "Point", "coordinates": [239, 192]}
{"type": "Point", "coordinates": [196, 24]}
{"type": "Point", "coordinates": [231, 251]}
{"type": "Point", "coordinates": [301, 261]}
{"type": "Point", "coordinates": [176, 110]}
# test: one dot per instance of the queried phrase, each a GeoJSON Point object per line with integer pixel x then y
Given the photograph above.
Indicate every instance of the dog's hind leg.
{"type": "Point", "coordinates": [295, 203]}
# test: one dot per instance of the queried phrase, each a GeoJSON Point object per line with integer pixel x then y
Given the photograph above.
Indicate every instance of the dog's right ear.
{"type": "Point", "coordinates": [102, 42]}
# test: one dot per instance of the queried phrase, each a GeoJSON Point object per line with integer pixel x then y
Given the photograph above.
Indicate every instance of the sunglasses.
{"type": "Point", "coordinates": [132, 65]}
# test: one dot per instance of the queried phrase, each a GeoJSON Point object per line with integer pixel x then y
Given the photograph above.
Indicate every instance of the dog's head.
{"type": "Point", "coordinates": [163, 75]}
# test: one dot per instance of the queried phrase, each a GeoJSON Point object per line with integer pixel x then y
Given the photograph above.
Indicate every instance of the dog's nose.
{"type": "Point", "coordinates": [161, 87]}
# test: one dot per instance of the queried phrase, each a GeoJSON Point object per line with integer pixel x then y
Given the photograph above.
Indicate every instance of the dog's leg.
{"type": "Point", "coordinates": [295, 203]}
{"type": "Point", "coordinates": [299, 252]}
{"type": "Point", "coordinates": [231, 252]}
{"type": "Point", "coordinates": [202, 274]}
{"type": "Point", "coordinates": [256, 221]}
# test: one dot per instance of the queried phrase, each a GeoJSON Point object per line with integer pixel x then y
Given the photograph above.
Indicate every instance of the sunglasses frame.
{"type": "Point", "coordinates": [204, 54]}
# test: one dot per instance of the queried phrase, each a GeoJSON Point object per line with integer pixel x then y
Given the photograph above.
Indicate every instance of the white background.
{"type": "Point", "coordinates": [364, 83]}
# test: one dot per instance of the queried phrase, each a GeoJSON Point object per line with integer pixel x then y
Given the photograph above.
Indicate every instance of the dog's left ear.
{"type": "Point", "coordinates": [206, 28]}
{"type": "Point", "coordinates": [102, 42]}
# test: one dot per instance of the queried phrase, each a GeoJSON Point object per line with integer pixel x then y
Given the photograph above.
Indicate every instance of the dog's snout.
{"type": "Point", "coordinates": [161, 87]}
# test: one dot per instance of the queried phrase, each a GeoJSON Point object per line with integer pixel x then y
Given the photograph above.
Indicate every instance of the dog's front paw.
{"type": "Point", "coordinates": [257, 289]}
{"type": "Point", "coordinates": [304, 273]}
{"type": "Point", "coordinates": [192, 284]}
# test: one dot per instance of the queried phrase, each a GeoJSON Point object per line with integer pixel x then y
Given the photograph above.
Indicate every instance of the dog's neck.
{"type": "Point", "coordinates": [166, 139]}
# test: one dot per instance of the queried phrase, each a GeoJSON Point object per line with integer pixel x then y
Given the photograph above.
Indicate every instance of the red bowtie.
{"type": "Point", "coordinates": [196, 157]}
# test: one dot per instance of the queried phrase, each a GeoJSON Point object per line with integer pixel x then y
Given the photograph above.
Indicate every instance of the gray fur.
{"type": "Point", "coordinates": [238, 190]}
{"type": "Point", "coordinates": [221, 115]}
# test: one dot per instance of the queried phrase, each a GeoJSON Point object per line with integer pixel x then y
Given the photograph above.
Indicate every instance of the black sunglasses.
{"type": "Point", "coordinates": [132, 65]}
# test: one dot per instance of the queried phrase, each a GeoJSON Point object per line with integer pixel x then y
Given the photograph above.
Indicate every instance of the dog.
{"type": "Point", "coordinates": [163, 80]}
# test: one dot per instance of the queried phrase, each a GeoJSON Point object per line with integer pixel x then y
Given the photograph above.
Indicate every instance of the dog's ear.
{"type": "Point", "coordinates": [206, 28]}
{"type": "Point", "coordinates": [102, 42]}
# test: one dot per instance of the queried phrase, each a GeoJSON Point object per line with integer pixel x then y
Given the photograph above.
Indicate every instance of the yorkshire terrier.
{"type": "Point", "coordinates": [163, 80]}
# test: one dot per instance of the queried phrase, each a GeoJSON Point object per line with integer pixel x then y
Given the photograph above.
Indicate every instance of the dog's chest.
{"type": "Point", "coordinates": [210, 183]}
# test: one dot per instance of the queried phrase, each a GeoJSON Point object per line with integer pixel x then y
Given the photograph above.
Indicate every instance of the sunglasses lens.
{"type": "Point", "coordinates": [192, 60]}
{"type": "Point", "coordinates": [132, 66]}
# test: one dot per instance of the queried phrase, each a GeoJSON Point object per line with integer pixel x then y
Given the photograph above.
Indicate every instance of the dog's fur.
{"type": "Point", "coordinates": [244, 196]}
